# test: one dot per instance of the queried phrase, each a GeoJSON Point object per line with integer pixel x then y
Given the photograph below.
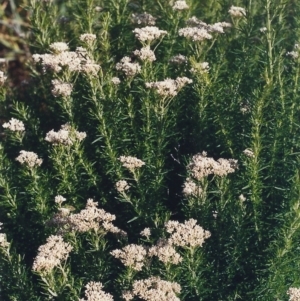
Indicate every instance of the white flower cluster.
{"type": "Point", "coordinates": [3, 241]}
{"type": "Point", "coordinates": [178, 59]}
{"type": "Point", "coordinates": [144, 19]}
{"type": "Point", "coordinates": [200, 31]}
{"type": "Point", "coordinates": [190, 188]}
{"type": "Point", "coordinates": [65, 136]}
{"type": "Point", "coordinates": [59, 199]}
{"type": "Point", "coordinates": [131, 256]}
{"type": "Point", "coordinates": [237, 12]}
{"type": "Point", "coordinates": [200, 68]}
{"type": "Point", "coordinates": [14, 125]}
{"type": "Point", "coordinates": [3, 78]}
{"type": "Point", "coordinates": [295, 53]}
{"type": "Point", "coordinates": [153, 289]}
{"type": "Point", "coordinates": [180, 5]}
{"type": "Point", "coordinates": [59, 47]}
{"type": "Point", "coordinates": [130, 69]}
{"type": "Point", "coordinates": [201, 166]}
{"type": "Point", "coordinates": [75, 61]}
{"type": "Point", "coordinates": [94, 292]}
{"type": "Point", "coordinates": [165, 252]}
{"type": "Point", "coordinates": [87, 38]}
{"type": "Point", "coordinates": [122, 186]}
{"type": "Point", "coordinates": [149, 33]}
{"type": "Point", "coordinates": [61, 89]}
{"type": "Point", "coordinates": [29, 158]}
{"type": "Point", "coordinates": [131, 162]}
{"type": "Point", "coordinates": [169, 87]}
{"type": "Point", "coordinates": [294, 294]}
{"type": "Point", "coordinates": [51, 254]}
{"type": "Point", "coordinates": [187, 234]}
{"type": "Point", "coordinates": [249, 153]}
{"type": "Point", "coordinates": [116, 81]}
{"type": "Point", "coordinates": [90, 218]}
{"type": "Point", "coordinates": [146, 233]}
{"type": "Point", "coordinates": [145, 54]}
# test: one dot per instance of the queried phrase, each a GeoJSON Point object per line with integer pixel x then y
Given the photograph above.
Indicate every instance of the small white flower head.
{"type": "Point", "coordinates": [29, 159]}
{"type": "Point", "coordinates": [116, 81]}
{"type": "Point", "coordinates": [61, 89]}
{"type": "Point", "coordinates": [59, 47]}
{"type": "Point", "coordinates": [293, 54]}
{"type": "Point", "coordinates": [180, 5]}
{"type": "Point", "coordinates": [14, 125]}
{"type": "Point", "coordinates": [178, 59]}
{"type": "Point", "coordinates": [294, 294]}
{"type": "Point", "coordinates": [65, 136]}
{"type": "Point", "coordinates": [94, 292]}
{"type": "Point", "coordinates": [130, 69]}
{"type": "Point", "coordinates": [248, 152]}
{"type": "Point", "coordinates": [242, 198]}
{"type": "Point", "coordinates": [122, 186]}
{"type": "Point", "coordinates": [87, 38]}
{"type": "Point", "coordinates": [3, 241]}
{"type": "Point", "coordinates": [263, 29]}
{"type": "Point", "coordinates": [131, 162]}
{"type": "Point", "coordinates": [146, 233]}
{"type": "Point", "coordinates": [59, 199]}
{"type": "Point", "coordinates": [237, 12]}
{"type": "Point", "coordinates": [98, 8]}
{"type": "Point", "coordinates": [200, 68]}
{"type": "Point", "coordinates": [190, 188]}
{"type": "Point", "coordinates": [145, 54]}
{"type": "Point", "coordinates": [215, 214]}
{"type": "Point", "coordinates": [3, 78]}
{"type": "Point", "coordinates": [196, 34]}
{"type": "Point", "coordinates": [131, 256]}
{"type": "Point", "coordinates": [149, 33]}
{"type": "Point", "coordinates": [143, 19]}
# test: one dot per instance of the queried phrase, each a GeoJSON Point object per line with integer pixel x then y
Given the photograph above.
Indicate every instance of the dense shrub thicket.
{"type": "Point", "coordinates": [153, 154]}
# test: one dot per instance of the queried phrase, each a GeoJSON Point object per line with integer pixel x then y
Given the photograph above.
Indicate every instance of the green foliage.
{"type": "Point", "coordinates": [234, 95]}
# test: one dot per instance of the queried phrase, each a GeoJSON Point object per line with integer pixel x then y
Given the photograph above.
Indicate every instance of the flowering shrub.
{"type": "Point", "coordinates": [152, 153]}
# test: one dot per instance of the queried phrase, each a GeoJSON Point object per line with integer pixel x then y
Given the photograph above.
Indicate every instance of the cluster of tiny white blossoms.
{"type": "Point", "coordinates": [242, 198]}
{"type": "Point", "coordinates": [130, 69]}
{"type": "Point", "coordinates": [61, 89]}
{"type": "Point", "coordinates": [143, 19]}
{"type": "Point", "coordinates": [29, 159]}
{"type": "Point", "coordinates": [165, 252]}
{"type": "Point", "coordinates": [122, 186]}
{"type": "Point", "coordinates": [3, 240]}
{"type": "Point", "coordinates": [87, 38]}
{"type": "Point", "coordinates": [295, 53]}
{"type": "Point", "coordinates": [178, 59]}
{"type": "Point", "coordinates": [59, 199]}
{"type": "Point", "coordinates": [51, 254]}
{"type": "Point", "coordinates": [148, 33]}
{"type": "Point", "coordinates": [169, 87]}
{"type": "Point", "coordinates": [294, 294]}
{"type": "Point", "coordinates": [3, 78]}
{"type": "Point", "coordinates": [14, 125]}
{"type": "Point", "coordinates": [75, 61]}
{"type": "Point", "coordinates": [198, 30]}
{"type": "Point", "coordinates": [190, 188]}
{"type": "Point", "coordinates": [201, 166]}
{"type": "Point", "coordinates": [237, 12]}
{"type": "Point", "coordinates": [132, 256]}
{"type": "Point", "coordinates": [201, 68]}
{"type": "Point", "coordinates": [249, 153]}
{"type": "Point", "coordinates": [145, 54]}
{"type": "Point", "coordinates": [94, 292]}
{"type": "Point", "coordinates": [146, 233]}
{"type": "Point", "coordinates": [131, 162]}
{"type": "Point", "coordinates": [153, 289]}
{"type": "Point", "coordinates": [263, 29]}
{"type": "Point", "coordinates": [65, 136]}
{"type": "Point", "coordinates": [180, 5]}
{"type": "Point", "coordinates": [187, 234]}
{"type": "Point", "coordinates": [115, 81]}
{"type": "Point", "coordinates": [92, 218]}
